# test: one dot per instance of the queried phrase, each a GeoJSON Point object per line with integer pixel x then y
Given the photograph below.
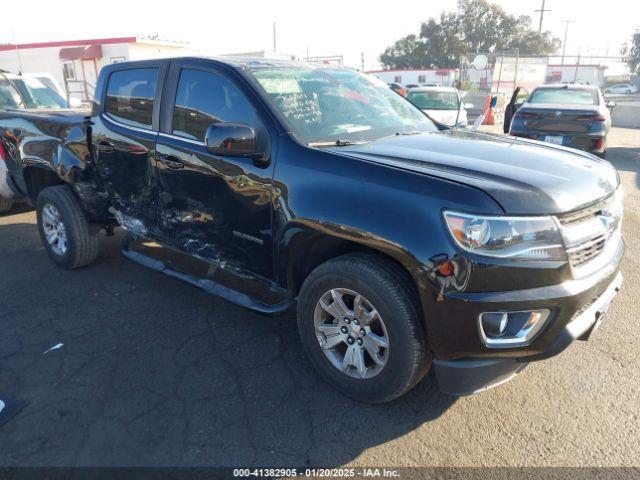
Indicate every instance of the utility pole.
{"type": "Point", "coordinates": [542, 10]}
{"type": "Point", "coordinates": [564, 43]}
{"type": "Point", "coordinates": [274, 37]}
{"type": "Point", "coordinates": [362, 61]}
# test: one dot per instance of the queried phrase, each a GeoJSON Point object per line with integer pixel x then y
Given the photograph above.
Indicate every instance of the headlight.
{"type": "Point", "coordinates": [521, 238]}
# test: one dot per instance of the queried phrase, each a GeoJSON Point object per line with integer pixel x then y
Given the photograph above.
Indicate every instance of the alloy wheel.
{"type": "Point", "coordinates": [351, 333]}
{"type": "Point", "coordinates": [54, 229]}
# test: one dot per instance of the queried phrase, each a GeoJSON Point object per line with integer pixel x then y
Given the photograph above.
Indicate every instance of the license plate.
{"type": "Point", "coordinates": [557, 140]}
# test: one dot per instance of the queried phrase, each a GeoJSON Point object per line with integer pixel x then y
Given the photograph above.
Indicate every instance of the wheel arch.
{"type": "Point", "coordinates": [309, 248]}
{"type": "Point", "coordinates": [38, 178]}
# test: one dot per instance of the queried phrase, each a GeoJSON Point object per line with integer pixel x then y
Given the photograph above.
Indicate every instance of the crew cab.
{"type": "Point", "coordinates": [402, 244]}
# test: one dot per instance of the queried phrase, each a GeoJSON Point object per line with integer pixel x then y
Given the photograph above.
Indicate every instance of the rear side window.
{"type": "Point", "coordinates": [204, 98]}
{"type": "Point", "coordinates": [130, 96]}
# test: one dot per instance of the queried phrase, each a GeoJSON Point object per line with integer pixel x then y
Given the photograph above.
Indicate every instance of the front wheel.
{"type": "Point", "coordinates": [64, 230]}
{"type": "Point", "coordinates": [359, 321]}
{"type": "Point", "coordinates": [607, 92]}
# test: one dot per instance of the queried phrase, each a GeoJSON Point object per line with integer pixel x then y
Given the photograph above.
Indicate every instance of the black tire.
{"type": "Point", "coordinates": [628, 91]}
{"type": "Point", "coordinates": [389, 289]}
{"type": "Point", "coordinates": [5, 205]}
{"type": "Point", "coordinates": [82, 245]}
{"type": "Point", "coordinates": [607, 92]}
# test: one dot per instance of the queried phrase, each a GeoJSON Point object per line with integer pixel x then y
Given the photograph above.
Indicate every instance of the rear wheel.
{"type": "Point", "coordinates": [360, 323]}
{"type": "Point", "coordinates": [5, 205]}
{"type": "Point", "coordinates": [64, 230]}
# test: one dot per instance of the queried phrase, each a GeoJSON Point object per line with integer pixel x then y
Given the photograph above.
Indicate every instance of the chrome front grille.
{"type": "Point", "coordinates": [583, 254]}
{"type": "Point", "coordinates": [592, 235]}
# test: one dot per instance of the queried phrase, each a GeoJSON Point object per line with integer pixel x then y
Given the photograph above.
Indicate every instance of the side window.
{"type": "Point", "coordinates": [130, 96]}
{"type": "Point", "coordinates": [204, 98]}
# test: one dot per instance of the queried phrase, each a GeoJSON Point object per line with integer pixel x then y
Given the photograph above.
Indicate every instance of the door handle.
{"type": "Point", "coordinates": [171, 161]}
{"type": "Point", "coordinates": [106, 146]}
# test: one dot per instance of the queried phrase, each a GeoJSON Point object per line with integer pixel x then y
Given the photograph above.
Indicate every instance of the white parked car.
{"type": "Point", "coordinates": [443, 104]}
{"type": "Point", "coordinates": [624, 88]}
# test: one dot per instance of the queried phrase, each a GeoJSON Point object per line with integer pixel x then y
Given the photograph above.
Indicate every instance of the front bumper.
{"type": "Point", "coordinates": [469, 376]}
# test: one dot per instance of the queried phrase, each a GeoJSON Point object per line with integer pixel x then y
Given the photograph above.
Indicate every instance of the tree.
{"type": "Point", "coordinates": [477, 27]}
{"type": "Point", "coordinates": [632, 52]}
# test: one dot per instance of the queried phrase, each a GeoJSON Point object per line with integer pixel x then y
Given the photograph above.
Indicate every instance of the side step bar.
{"type": "Point", "coordinates": [205, 284]}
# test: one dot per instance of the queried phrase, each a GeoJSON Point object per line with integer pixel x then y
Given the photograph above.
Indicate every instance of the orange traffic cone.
{"type": "Point", "coordinates": [487, 111]}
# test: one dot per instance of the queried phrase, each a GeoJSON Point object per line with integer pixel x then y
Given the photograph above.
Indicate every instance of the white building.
{"type": "Point", "coordinates": [75, 64]}
{"type": "Point", "coordinates": [440, 76]}
{"type": "Point", "coordinates": [530, 72]}
{"type": "Point", "coordinates": [591, 74]}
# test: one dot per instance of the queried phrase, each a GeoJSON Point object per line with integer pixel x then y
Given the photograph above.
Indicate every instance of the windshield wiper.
{"type": "Point", "coordinates": [334, 143]}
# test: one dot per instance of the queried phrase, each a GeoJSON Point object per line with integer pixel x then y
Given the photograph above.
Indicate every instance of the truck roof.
{"type": "Point", "coordinates": [241, 61]}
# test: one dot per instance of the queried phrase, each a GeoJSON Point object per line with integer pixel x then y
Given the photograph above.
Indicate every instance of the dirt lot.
{"type": "Point", "coordinates": [155, 372]}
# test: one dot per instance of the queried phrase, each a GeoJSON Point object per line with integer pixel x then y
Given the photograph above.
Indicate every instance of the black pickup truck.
{"type": "Point", "coordinates": [404, 244]}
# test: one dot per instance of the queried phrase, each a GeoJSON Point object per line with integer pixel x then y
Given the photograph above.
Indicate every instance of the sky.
{"type": "Point", "coordinates": [321, 27]}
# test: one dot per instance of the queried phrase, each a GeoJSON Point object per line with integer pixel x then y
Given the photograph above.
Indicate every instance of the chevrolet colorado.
{"type": "Point", "coordinates": [404, 244]}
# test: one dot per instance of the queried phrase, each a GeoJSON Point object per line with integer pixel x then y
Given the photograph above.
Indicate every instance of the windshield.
{"type": "Point", "coordinates": [564, 95]}
{"type": "Point", "coordinates": [31, 93]}
{"type": "Point", "coordinates": [434, 100]}
{"type": "Point", "coordinates": [9, 97]}
{"type": "Point", "coordinates": [328, 104]}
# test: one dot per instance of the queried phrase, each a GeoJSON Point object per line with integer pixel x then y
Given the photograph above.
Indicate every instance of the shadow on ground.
{"type": "Point", "coordinates": [626, 159]}
{"type": "Point", "coordinates": [155, 372]}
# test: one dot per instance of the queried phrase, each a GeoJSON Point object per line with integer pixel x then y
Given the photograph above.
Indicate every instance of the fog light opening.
{"type": "Point", "coordinates": [495, 324]}
{"type": "Point", "coordinates": [511, 329]}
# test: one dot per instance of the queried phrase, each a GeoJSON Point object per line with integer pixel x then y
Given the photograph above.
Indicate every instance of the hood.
{"type": "Point", "coordinates": [446, 117]}
{"type": "Point", "coordinates": [524, 176]}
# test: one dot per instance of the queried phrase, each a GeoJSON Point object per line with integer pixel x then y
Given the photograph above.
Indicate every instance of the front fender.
{"type": "Point", "coordinates": [319, 193]}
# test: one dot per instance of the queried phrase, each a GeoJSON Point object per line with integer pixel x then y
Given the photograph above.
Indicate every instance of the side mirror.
{"type": "Point", "coordinates": [611, 104]}
{"type": "Point", "coordinates": [232, 140]}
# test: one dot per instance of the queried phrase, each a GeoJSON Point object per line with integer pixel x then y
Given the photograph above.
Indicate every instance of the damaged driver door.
{"type": "Point", "coordinates": [214, 206]}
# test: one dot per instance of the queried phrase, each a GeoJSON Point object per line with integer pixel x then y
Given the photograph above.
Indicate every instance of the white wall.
{"type": "Point", "coordinates": [47, 60]}
{"type": "Point", "coordinates": [591, 74]}
{"type": "Point", "coordinates": [36, 60]}
{"type": "Point", "coordinates": [408, 77]}
{"type": "Point", "coordinates": [143, 51]}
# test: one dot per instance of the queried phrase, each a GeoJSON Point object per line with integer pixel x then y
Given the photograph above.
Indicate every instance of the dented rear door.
{"type": "Point", "coordinates": [124, 136]}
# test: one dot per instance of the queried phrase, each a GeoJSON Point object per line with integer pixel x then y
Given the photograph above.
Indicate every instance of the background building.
{"type": "Point", "coordinates": [500, 77]}
{"type": "Point", "coordinates": [440, 76]}
{"type": "Point", "coordinates": [591, 74]}
{"type": "Point", "coordinates": [75, 64]}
